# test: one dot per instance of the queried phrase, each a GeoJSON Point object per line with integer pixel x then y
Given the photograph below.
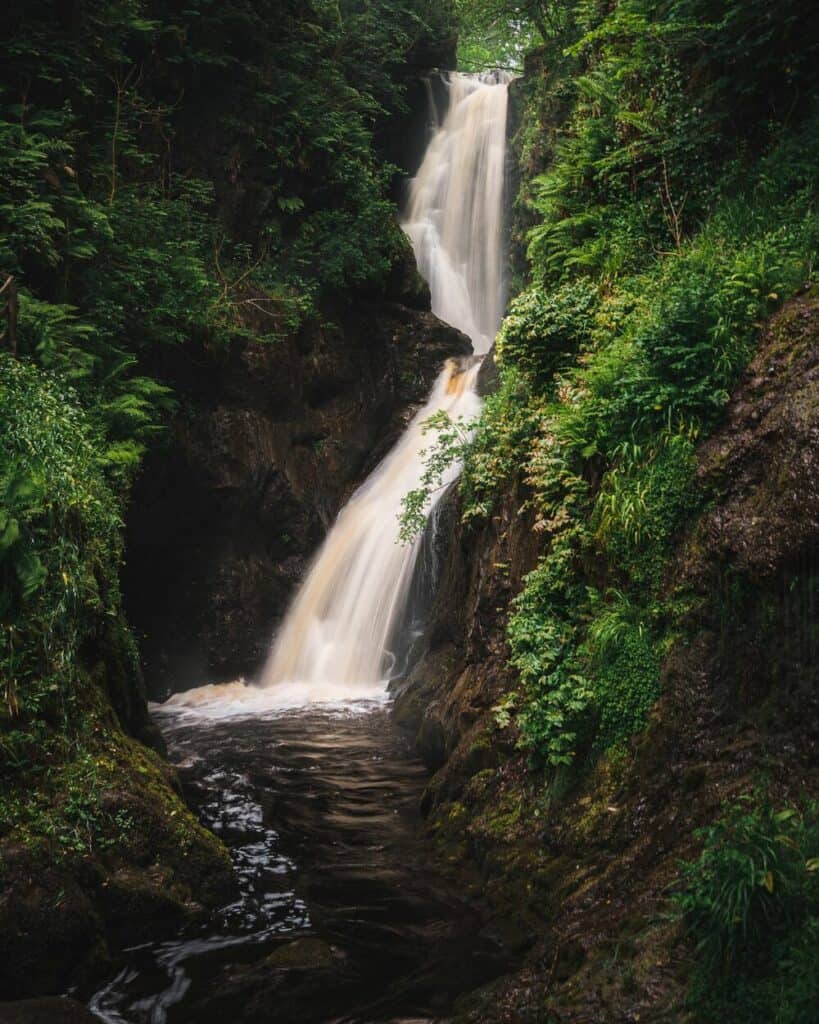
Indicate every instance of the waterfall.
{"type": "Point", "coordinates": [337, 634]}
{"type": "Point", "coordinates": [455, 209]}
{"type": "Point", "coordinates": [338, 638]}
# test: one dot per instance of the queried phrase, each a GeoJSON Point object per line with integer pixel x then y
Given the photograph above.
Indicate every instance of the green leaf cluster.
{"type": "Point", "coordinates": [60, 549]}
{"type": "Point", "coordinates": [750, 903]}
{"type": "Point", "coordinates": [497, 33]}
{"type": "Point", "coordinates": [167, 170]}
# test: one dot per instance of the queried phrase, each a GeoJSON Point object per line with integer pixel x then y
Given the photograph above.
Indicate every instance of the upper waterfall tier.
{"type": "Point", "coordinates": [455, 210]}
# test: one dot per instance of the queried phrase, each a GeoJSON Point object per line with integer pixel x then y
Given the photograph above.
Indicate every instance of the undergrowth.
{"type": "Point", "coordinates": [70, 781]}
{"type": "Point", "coordinates": [750, 904]}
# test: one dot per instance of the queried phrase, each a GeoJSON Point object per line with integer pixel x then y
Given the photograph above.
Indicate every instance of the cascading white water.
{"type": "Point", "coordinates": [339, 627]}
{"type": "Point", "coordinates": [455, 210]}
{"type": "Point", "coordinates": [335, 642]}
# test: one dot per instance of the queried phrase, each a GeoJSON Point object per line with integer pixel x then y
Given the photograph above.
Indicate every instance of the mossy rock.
{"type": "Point", "coordinates": [303, 954]}
{"type": "Point", "coordinates": [100, 851]}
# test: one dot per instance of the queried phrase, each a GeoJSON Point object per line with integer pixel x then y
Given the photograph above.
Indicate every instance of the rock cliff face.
{"type": "Point", "coordinates": [447, 698]}
{"type": "Point", "coordinates": [269, 441]}
{"type": "Point", "coordinates": [590, 869]}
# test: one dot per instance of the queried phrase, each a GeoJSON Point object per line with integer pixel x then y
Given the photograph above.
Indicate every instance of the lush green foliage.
{"type": "Point", "coordinates": [64, 642]}
{"type": "Point", "coordinates": [59, 556]}
{"type": "Point", "coordinates": [543, 332]}
{"type": "Point", "coordinates": [667, 208]}
{"type": "Point", "coordinates": [751, 905]}
{"type": "Point", "coordinates": [450, 438]}
{"type": "Point", "coordinates": [654, 374]}
{"type": "Point", "coordinates": [497, 33]}
{"type": "Point", "coordinates": [137, 209]}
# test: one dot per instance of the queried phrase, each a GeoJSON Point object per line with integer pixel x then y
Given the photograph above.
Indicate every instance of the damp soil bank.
{"type": "Point", "coordinates": [339, 914]}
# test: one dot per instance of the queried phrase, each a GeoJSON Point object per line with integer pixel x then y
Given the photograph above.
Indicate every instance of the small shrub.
{"type": "Point", "coordinates": [623, 669]}
{"type": "Point", "coordinates": [543, 641]}
{"type": "Point", "coordinates": [544, 330]}
{"type": "Point", "coordinates": [500, 442]}
{"type": "Point", "coordinates": [751, 904]}
{"type": "Point", "coordinates": [644, 500]}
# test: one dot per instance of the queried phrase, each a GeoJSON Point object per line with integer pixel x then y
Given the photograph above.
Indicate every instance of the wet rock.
{"type": "Point", "coordinates": [447, 699]}
{"type": "Point", "coordinates": [763, 465]}
{"type": "Point", "coordinates": [67, 905]}
{"type": "Point", "coordinates": [50, 930]}
{"type": "Point", "coordinates": [139, 904]}
{"type": "Point", "coordinates": [750, 559]}
{"type": "Point", "coordinates": [488, 375]}
{"type": "Point", "coordinates": [45, 1011]}
{"type": "Point", "coordinates": [298, 977]}
{"type": "Point", "coordinates": [303, 954]}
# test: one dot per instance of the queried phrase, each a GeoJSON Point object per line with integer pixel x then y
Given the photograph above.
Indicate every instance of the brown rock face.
{"type": "Point", "coordinates": [269, 441]}
{"type": "Point", "coordinates": [764, 463]}
{"type": "Point", "coordinates": [448, 696]}
{"type": "Point", "coordinates": [751, 557]}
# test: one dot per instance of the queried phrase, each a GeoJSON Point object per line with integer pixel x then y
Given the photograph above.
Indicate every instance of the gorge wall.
{"type": "Point", "coordinates": [670, 545]}
{"type": "Point", "coordinates": [588, 867]}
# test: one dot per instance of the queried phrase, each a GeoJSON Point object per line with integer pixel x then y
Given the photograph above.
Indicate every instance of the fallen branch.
{"type": "Point", "coordinates": [10, 308]}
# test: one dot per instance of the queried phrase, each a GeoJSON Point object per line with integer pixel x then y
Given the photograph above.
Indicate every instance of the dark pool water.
{"type": "Point", "coordinates": [341, 915]}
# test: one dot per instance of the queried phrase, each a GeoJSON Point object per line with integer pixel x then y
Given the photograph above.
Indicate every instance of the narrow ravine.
{"type": "Point", "coordinates": [340, 914]}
